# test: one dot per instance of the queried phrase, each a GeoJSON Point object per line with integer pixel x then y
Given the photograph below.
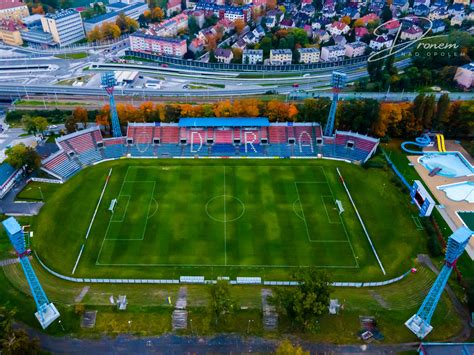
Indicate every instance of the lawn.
{"type": "Point", "coordinates": [80, 55]}
{"type": "Point", "coordinates": [227, 218]}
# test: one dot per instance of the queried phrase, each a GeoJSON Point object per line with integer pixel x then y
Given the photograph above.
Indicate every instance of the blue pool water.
{"type": "Point", "coordinates": [462, 191]}
{"type": "Point", "coordinates": [452, 164]}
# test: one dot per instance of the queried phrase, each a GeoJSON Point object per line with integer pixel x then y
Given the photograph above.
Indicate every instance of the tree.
{"type": "Point", "coordinates": [80, 115]}
{"type": "Point", "coordinates": [419, 107]}
{"type": "Point", "coordinates": [287, 348]}
{"type": "Point", "coordinates": [95, 34]}
{"type": "Point", "coordinates": [266, 45]}
{"type": "Point", "coordinates": [193, 26]}
{"type": "Point", "coordinates": [70, 124]}
{"type": "Point", "coordinates": [34, 124]}
{"type": "Point", "coordinates": [28, 124]}
{"type": "Point", "coordinates": [157, 14]}
{"type": "Point", "coordinates": [429, 111]}
{"type": "Point", "coordinates": [37, 10]}
{"type": "Point", "coordinates": [271, 4]}
{"type": "Point", "coordinates": [386, 14]}
{"type": "Point", "coordinates": [442, 111]}
{"type": "Point", "coordinates": [21, 155]}
{"type": "Point", "coordinates": [110, 30]}
{"type": "Point", "coordinates": [306, 302]}
{"type": "Point", "coordinates": [239, 25]}
{"type": "Point", "coordinates": [221, 302]}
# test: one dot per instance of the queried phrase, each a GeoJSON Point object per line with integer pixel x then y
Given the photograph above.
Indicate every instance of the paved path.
{"type": "Point", "coordinates": [171, 344]}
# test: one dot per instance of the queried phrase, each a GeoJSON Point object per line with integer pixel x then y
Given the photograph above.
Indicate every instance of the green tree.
{"type": "Point", "coordinates": [40, 123]}
{"type": "Point", "coordinates": [419, 107]}
{"type": "Point", "coordinates": [287, 348]}
{"type": "Point", "coordinates": [20, 156]}
{"type": "Point", "coordinates": [309, 300]}
{"type": "Point", "coordinates": [266, 45]}
{"type": "Point", "coordinates": [386, 13]}
{"type": "Point", "coordinates": [221, 302]}
{"type": "Point", "coordinates": [429, 111]}
{"type": "Point", "coordinates": [442, 111]}
{"type": "Point", "coordinates": [28, 124]}
{"type": "Point", "coordinates": [70, 125]}
{"type": "Point", "coordinates": [193, 26]}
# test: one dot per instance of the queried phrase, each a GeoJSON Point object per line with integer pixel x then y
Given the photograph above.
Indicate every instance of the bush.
{"type": "Point", "coordinates": [79, 309]}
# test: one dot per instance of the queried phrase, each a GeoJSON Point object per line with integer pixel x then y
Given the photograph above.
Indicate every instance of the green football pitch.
{"type": "Point", "coordinates": [226, 218]}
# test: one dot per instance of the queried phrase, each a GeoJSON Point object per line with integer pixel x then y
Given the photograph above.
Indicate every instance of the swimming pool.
{"type": "Point", "coordinates": [462, 191]}
{"type": "Point", "coordinates": [452, 164]}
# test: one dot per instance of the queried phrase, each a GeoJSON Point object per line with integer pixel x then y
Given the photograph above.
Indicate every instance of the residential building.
{"type": "Point", "coordinates": [338, 28]}
{"type": "Point", "coordinates": [464, 76]}
{"type": "Point", "coordinates": [321, 36]}
{"type": "Point", "coordinates": [223, 11]}
{"type": "Point", "coordinates": [223, 55]}
{"type": "Point", "coordinates": [360, 32]}
{"type": "Point", "coordinates": [463, 2]}
{"type": "Point", "coordinates": [457, 20]}
{"type": "Point", "coordinates": [170, 27]}
{"type": "Point", "coordinates": [340, 40]}
{"type": "Point", "coordinates": [411, 33]}
{"type": "Point", "coordinates": [142, 42]}
{"type": "Point", "coordinates": [438, 26]}
{"type": "Point", "coordinates": [309, 55]}
{"type": "Point", "coordinates": [33, 21]}
{"type": "Point", "coordinates": [392, 26]}
{"type": "Point", "coordinates": [280, 56]}
{"type": "Point", "coordinates": [355, 49]}
{"type": "Point", "coordinates": [13, 10]}
{"type": "Point", "coordinates": [332, 53]}
{"type": "Point", "coordinates": [133, 11]}
{"type": "Point", "coordinates": [401, 5]}
{"type": "Point", "coordinates": [65, 26]}
{"type": "Point", "coordinates": [252, 56]}
{"type": "Point", "coordinates": [370, 18]}
{"type": "Point", "coordinates": [10, 32]}
{"type": "Point", "coordinates": [287, 23]}
{"type": "Point", "coordinates": [381, 42]}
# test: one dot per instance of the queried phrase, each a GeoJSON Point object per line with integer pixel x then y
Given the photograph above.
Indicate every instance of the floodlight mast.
{"type": "Point", "coordinates": [108, 83]}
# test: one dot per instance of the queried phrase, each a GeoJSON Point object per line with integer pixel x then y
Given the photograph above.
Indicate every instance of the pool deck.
{"type": "Point", "coordinates": [450, 206]}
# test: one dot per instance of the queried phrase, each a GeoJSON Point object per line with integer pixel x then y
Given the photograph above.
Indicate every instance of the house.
{"type": "Point", "coordinates": [196, 45]}
{"type": "Point", "coordinates": [411, 33]}
{"type": "Point", "coordinates": [340, 40]}
{"type": "Point", "coordinates": [321, 36]}
{"type": "Point", "coordinates": [280, 56]}
{"type": "Point", "coordinates": [421, 2]}
{"type": "Point", "coordinates": [360, 32]}
{"type": "Point", "coordinates": [338, 28]}
{"type": "Point", "coordinates": [438, 4]}
{"type": "Point", "coordinates": [170, 27]}
{"type": "Point", "coordinates": [456, 9]}
{"type": "Point", "coordinates": [308, 55]}
{"type": "Point", "coordinates": [392, 26]}
{"type": "Point", "coordinates": [308, 10]}
{"type": "Point", "coordinates": [240, 44]}
{"type": "Point", "coordinates": [332, 53]}
{"type": "Point", "coordinates": [421, 10]}
{"type": "Point", "coordinates": [380, 42]}
{"type": "Point", "coordinates": [172, 7]}
{"type": "Point", "coordinates": [438, 26]}
{"type": "Point", "coordinates": [287, 23]}
{"type": "Point", "coordinates": [252, 56]}
{"type": "Point", "coordinates": [350, 11]}
{"type": "Point", "coordinates": [10, 32]}
{"type": "Point", "coordinates": [438, 14]}
{"type": "Point", "coordinates": [401, 5]}
{"type": "Point", "coordinates": [464, 76]}
{"type": "Point", "coordinates": [355, 49]}
{"type": "Point", "coordinates": [223, 55]}
{"type": "Point", "coordinates": [457, 20]}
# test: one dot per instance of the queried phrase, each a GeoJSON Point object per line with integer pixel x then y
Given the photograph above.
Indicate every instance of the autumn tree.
{"type": "Point", "coordinates": [271, 4]}
{"type": "Point", "coordinates": [80, 115]}
{"type": "Point", "coordinates": [95, 34]}
{"type": "Point", "coordinates": [110, 30]}
{"type": "Point", "coordinates": [157, 14]}
{"type": "Point", "coordinates": [37, 10]}
{"type": "Point", "coordinates": [277, 111]}
{"type": "Point", "coordinates": [103, 117]}
{"type": "Point", "coordinates": [126, 24]}
{"type": "Point", "coordinates": [239, 25]}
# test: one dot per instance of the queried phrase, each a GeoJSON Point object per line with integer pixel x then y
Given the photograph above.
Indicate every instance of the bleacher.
{"type": "Point", "coordinates": [223, 136]}
{"type": "Point", "coordinates": [170, 134]}
{"type": "Point", "coordinates": [60, 164]}
{"type": "Point", "coordinates": [214, 137]}
{"type": "Point", "coordinates": [277, 134]}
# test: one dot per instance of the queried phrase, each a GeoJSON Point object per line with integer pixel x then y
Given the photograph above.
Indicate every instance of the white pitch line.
{"type": "Point", "coordinates": [225, 225]}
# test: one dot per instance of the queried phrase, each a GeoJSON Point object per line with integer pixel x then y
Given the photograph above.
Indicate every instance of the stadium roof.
{"type": "Point", "coordinates": [6, 172]}
{"type": "Point", "coordinates": [223, 122]}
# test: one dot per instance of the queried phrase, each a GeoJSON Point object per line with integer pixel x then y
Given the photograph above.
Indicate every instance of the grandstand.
{"type": "Point", "coordinates": [213, 137]}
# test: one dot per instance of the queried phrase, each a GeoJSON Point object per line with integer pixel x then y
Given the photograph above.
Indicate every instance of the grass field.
{"type": "Point", "coordinates": [227, 218]}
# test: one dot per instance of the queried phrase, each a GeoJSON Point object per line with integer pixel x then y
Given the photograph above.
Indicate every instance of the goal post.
{"type": "Point", "coordinates": [113, 203]}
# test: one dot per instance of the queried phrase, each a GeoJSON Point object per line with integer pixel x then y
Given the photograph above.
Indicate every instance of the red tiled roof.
{"type": "Point", "coordinates": [5, 4]}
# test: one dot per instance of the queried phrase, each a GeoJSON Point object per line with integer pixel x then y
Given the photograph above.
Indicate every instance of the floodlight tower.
{"type": "Point", "coordinates": [47, 312]}
{"type": "Point", "coordinates": [338, 81]}
{"type": "Point", "coordinates": [419, 323]}
{"type": "Point", "coordinates": [108, 82]}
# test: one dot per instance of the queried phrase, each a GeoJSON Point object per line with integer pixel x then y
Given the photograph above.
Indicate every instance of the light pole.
{"type": "Point", "coordinates": [61, 324]}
